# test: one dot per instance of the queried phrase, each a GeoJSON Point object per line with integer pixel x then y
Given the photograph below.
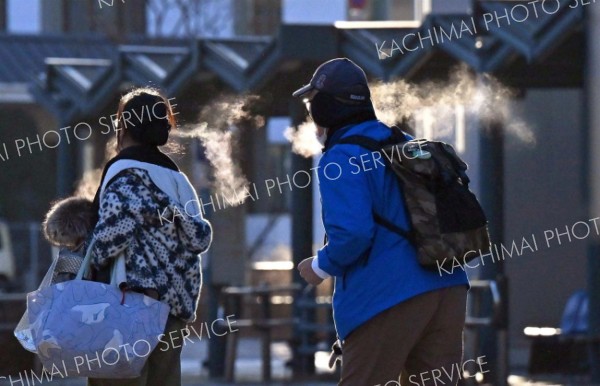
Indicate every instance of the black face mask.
{"type": "Point", "coordinates": [329, 112]}
{"type": "Point", "coordinates": [326, 111]}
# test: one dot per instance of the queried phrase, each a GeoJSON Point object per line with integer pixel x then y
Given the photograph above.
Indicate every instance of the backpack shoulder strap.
{"type": "Point", "coordinates": [398, 136]}
{"type": "Point", "coordinates": [374, 145]}
{"type": "Point", "coordinates": [459, 165]}
{"type": "Point", "coordinates": [410, 236]}
{"type": "Point", "coordinates": [361, 140]}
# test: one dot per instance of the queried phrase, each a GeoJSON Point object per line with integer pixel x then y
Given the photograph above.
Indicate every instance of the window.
{"type": "Point", "coordinates": [22, 16]}
{"type": "Point", "coordinates": [377, 10]}
{"type": "Point", "coordinates": [190, 18]}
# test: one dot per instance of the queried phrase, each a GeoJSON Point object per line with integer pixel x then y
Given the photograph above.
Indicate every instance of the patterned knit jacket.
{"type": "Point", "coordinates": [161, 241]}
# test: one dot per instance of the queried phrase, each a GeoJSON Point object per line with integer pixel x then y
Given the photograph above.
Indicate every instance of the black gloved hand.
{"type": "Point", "coordinates": [336, 353]}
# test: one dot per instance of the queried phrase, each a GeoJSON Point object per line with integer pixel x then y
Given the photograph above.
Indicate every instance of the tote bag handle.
{"type": "Point", "coordinates": [85, 265]}
{"type": "Point", "coordinates": [117, 271]}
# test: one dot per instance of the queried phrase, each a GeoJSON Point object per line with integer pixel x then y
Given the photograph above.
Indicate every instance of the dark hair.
{"type": "Point", "coordinates": [146, 115]}
{"type": "Point", "coordinates": [328, 111]}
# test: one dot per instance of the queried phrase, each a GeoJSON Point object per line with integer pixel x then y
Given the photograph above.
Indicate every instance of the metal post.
{"type": "Point", "coordinates": [65, 166]}
{"type": "Point", "coordinates": [493, 342]}
{"type": "Point", "coordinates": [592, 125]}
{"type": "Point", "coordinates": [217, 345]}
{"type": "Point", "coordinates": [3, 13]}
{"type": "Point", "coordinates": [266, 336]}
{"type": "Point", "coordinates": [34, 256]}
{"type": "Point", "coordinates": [302, 235]}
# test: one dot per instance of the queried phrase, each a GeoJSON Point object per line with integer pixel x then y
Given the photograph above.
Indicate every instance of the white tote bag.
{"type": "Point", "coordinates": [91, 329]}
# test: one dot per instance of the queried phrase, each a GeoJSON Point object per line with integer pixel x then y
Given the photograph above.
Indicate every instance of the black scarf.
{"type": "Point", "coordinates": [362, 116]}
{"type": "Point", "coordinates": [142, 153]}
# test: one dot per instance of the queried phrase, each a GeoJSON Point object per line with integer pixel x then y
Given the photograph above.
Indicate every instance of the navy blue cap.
{"type": "Point", "coordinates": [341, 78]}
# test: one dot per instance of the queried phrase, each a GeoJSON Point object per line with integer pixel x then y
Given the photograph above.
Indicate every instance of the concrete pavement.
{"type": "Point", "coordinates": [248, 369]}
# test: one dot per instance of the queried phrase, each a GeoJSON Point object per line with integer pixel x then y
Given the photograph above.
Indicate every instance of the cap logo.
{"type": "Point", "coordinates": [357, 97]}
{"type": "Point", "coordinates": [321, 81]}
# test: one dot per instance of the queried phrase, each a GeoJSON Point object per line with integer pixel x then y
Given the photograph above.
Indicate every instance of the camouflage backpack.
{"type": "Point", "coordinates": [447, 220]}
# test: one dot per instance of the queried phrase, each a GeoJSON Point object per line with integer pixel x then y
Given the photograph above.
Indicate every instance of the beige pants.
{"type": "Point", "coordinates": [421, 338]}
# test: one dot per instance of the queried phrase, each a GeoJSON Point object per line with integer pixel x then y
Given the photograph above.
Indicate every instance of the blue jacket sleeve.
{"type": "Point", "coordinates": [347, 210]}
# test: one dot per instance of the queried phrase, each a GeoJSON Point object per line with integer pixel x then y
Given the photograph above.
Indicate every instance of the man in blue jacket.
{"type": "Point", "coordinates": [391, 315]}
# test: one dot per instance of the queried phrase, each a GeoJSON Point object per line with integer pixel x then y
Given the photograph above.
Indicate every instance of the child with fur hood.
{"type": "Point", "coordinates": [67, 225]}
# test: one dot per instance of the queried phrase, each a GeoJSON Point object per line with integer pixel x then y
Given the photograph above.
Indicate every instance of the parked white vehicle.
{"type": "Point", "coordinates": [7, 260]}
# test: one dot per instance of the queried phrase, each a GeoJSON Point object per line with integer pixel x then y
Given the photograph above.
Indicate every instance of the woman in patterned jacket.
{"type": "Point", "coordinates": [148, 211]}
